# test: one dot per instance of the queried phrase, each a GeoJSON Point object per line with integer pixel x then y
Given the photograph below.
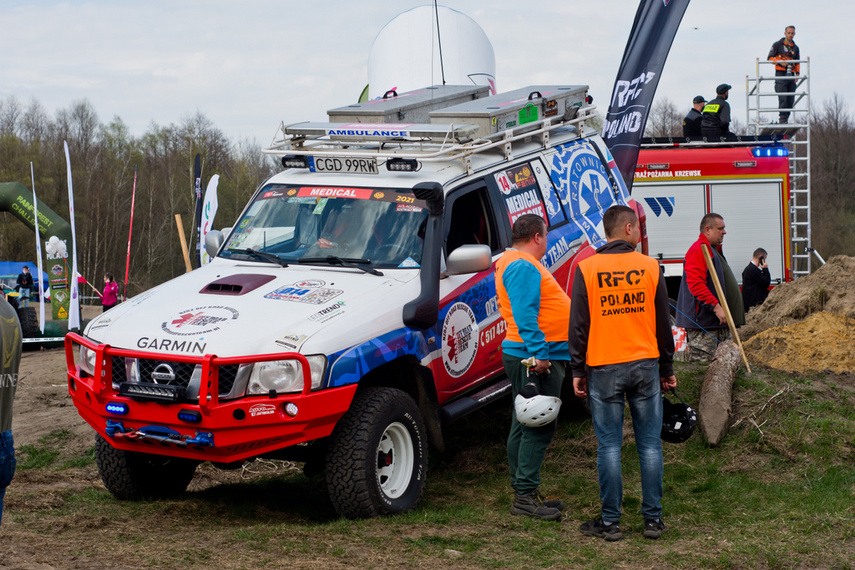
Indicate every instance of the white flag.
{"type": "Point", "coordinates": [209, 210]}
{"type": "Point", "coordinates": [74, 303]}
{"type": "Point", "coordinates": [38, 255]}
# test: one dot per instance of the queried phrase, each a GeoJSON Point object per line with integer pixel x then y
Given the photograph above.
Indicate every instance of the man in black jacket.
{"type": "Point", "coordinates": [692, 122]}
{"type": "Point", "coordinates": [25, 287]}
{"type": "Point", "coordinates": [783, 52]}
{"type": "Point", "coordinates": [716, 116]}
{"type": "Point", "coordinates": [755, 280]}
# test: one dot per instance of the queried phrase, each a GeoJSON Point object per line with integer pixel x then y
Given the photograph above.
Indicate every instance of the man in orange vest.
{"type": "Point", "coordinates": [784, 52]}
{"type": "Point", "coordinates": [537, 312]}
{"type": "Point", "coordinates": [621, 348]}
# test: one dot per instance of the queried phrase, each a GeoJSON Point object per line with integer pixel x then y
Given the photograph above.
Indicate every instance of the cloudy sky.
{"type": "Point", "coordinates": [249, 65]}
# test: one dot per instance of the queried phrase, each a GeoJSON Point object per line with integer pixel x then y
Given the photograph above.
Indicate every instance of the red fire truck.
{"type": "Point", "coordinates": [747, 183]}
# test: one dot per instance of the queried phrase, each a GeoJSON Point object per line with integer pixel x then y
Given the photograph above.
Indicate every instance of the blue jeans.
{"type": "Point", "coordinates": [638, 383]}
{"type": "Point", "coordinates": [7, 465]}
{"type": "Point", "coordinates": [24, 297]}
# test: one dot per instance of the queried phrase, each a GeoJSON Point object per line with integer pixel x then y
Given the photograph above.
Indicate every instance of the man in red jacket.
{"type": "Point", "coordinates": [699, 309]}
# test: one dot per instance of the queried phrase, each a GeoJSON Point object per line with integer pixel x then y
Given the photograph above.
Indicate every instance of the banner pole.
{"type": "Point", "coordinates": [183, 243]}
{"type": "Point", "coordinates": [38, 254]}
{"type": "Point", "coordinates": [130, 231]}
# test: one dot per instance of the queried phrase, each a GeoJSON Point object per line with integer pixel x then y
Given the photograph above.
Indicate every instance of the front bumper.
{"type": "Point", "coordinates": [208, 429]}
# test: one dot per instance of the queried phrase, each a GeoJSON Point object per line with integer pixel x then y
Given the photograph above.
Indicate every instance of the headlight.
{"type": "Point", "coordinates": [284, 376]}
{"type": "Point", "coordinates": [87, 360]}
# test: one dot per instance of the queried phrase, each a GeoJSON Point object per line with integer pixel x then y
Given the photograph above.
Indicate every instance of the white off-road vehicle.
{"type": "Point", "coordinates": [351, 311]}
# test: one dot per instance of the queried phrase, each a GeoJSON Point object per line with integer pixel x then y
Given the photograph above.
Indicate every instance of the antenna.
{"type": "Point", "coordinates": [439, 41]}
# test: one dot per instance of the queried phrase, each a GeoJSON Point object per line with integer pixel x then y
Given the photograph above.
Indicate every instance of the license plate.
{"type": "Point", "coordinates": [343, 164]}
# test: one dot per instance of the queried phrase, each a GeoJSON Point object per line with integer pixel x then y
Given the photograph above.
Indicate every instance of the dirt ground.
{"type": "Point", "coordinates": [804, 326]}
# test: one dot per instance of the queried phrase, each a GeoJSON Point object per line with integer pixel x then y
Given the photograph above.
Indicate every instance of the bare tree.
{"type": "Point", "coordinates": [833, 178]}
{"type": "Point", "coordinates": [664, 120]}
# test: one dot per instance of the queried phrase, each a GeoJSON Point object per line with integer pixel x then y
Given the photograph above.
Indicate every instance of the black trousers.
{"type": "Point", "coordinates": [785, 86]}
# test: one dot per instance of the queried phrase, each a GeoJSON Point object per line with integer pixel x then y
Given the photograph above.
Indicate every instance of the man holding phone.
{"type": "Point", "coordinates": [756, 280]}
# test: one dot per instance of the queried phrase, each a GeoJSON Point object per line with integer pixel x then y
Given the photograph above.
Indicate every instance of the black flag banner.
{"type": "Point", "coordinates": [650, 40]}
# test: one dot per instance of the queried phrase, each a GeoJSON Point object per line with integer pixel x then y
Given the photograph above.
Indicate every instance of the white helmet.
{"type": "Point", "coordinates": [536, 410]}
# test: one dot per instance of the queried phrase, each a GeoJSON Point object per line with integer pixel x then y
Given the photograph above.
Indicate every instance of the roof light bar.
{"type": "Point", "coordinates": [770, 151]}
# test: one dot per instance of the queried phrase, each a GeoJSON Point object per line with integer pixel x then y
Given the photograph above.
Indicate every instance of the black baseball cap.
{"type": "Point", "coordinates": [699, 99]}
{"type": "Point", "coordinates": [722, 89]}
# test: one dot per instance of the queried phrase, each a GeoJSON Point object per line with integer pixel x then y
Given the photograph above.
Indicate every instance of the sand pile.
{"type": "Point", "coordinates": [807, 325]}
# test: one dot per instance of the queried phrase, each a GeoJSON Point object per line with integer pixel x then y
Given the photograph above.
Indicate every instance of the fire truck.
{"type": "Point", "coordinates": [746, 181]}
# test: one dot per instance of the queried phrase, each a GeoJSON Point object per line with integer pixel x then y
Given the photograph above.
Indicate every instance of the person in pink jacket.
{"type": "Point", "coordinates": [111, 292]}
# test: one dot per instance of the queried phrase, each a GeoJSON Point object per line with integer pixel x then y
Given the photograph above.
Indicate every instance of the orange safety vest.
{"type": "Point", "coordinates": [621, 299]}
{"type": "Point", "coordinates": [554, 317]}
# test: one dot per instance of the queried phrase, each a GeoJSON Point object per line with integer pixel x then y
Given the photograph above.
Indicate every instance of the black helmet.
{"type": "Point", "coordinates": [678, 420]}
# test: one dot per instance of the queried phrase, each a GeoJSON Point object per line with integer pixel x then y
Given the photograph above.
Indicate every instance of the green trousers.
{"type": "Point", "coordinates": [527, 446]}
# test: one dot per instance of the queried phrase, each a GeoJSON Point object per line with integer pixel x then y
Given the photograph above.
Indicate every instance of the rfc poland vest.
{"type": "Point", "coordinates": [621, 298]}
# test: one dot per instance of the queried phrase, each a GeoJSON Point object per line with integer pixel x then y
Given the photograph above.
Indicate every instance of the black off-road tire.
{"type": "Point", "coordinates": [29, 322]}
{"type": "Point", "coordinates": [130, 475]}
{"type": "Point", "coordinates": [377, 455]}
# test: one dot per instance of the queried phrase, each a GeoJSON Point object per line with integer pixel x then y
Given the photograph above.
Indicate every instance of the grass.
{"type": "Point", "coordinates": [778, 492]}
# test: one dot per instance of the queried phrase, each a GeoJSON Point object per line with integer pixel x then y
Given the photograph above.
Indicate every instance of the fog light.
{"type": "Point", "coordinates": [190, 416]}
{"type": "Point", "coordinates": [117, 408]}
{"type": "Point", "coordinates": [291, 409]}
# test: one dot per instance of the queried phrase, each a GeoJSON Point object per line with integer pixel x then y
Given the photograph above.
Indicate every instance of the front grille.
{"type": "Point", "coordinates": [183, 372]}
{"type": "Point", "coordinates": [119, 373]}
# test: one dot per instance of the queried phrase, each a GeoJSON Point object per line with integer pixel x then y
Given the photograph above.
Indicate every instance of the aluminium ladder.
{"type": "Point", "coordinates": [761, 111]}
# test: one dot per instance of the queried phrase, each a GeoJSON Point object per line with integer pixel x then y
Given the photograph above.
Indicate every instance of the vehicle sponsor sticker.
{"type": "Point", "coordinates": [172, 345]}
{"type": "Point", "coordinates": [200, 320]}
{"type": "Point", "coordinates": [327, 313]}
{"type": "Point", "coordinates": [521, 194]}
{"type": "Point", "coordinates": [101, 323]}
{"type": "Point", "coordinates": [409, 262]}
{"type": "Point", "coordinates": [459, 339]}
{"type": "Point", "coordinates": [291, 341]}
{"type": "Point", "coordinates": [262, 410]}
{"type": "Point", "coordinates": [329, 192]}
{"type": "Point", "coordinates": [310, 292]}
{"type": "Point", "coordinates": [408, 208]}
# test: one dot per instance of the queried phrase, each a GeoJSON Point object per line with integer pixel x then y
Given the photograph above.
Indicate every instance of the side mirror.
{"type": "Point", "coordinates": [469, 259]}
{"type": "Point", "coordinates": [213, 242]}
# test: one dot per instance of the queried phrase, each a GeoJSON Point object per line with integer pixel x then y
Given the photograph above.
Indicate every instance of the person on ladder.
{"type": "Point", "coordinates": [784, 52]}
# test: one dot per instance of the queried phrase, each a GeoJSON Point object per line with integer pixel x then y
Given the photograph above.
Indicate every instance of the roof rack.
{"type": "Point", "coordinates": [442, 140]}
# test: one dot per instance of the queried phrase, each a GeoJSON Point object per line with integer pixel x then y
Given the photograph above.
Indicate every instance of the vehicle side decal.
{"type": "Point", "coordinates": [349, 365]}
{"type": "Point", "coordinates": [583, 182]}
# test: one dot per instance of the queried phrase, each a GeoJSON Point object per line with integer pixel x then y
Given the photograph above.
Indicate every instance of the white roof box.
{"type": "Point", "coordinates": [515, 108]}
{"type": "Point", "coordinates": [410, 107]}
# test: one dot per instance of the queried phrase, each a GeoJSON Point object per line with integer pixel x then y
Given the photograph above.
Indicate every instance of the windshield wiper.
{"type": "Point", "coordinates": [260, 255]}
{"type": "Point", "coordinates": [354, 262]}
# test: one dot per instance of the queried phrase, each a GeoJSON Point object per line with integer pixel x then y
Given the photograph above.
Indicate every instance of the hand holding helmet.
{"type": "Point", "coordinates": [531, 407]}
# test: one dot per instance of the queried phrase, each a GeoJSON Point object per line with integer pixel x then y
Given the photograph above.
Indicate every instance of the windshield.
{"type": "Point", "coordinates": [380, 227]}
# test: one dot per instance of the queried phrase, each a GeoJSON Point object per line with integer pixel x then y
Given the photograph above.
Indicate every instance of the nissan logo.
{"type": "Point", "coordinates": [163, 374]}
